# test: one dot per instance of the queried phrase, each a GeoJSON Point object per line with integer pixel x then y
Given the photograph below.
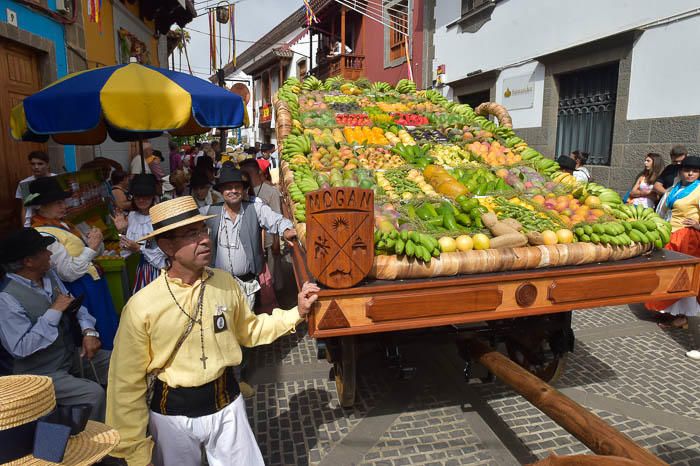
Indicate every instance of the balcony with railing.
{"type": "Point", "coordinates": [348, 65]}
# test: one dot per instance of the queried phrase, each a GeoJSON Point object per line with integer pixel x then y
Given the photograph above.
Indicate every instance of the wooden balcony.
{"type": "Point", "coordinates": [347, 65]}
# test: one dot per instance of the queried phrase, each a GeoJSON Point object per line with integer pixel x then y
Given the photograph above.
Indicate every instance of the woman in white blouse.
{"type": "Point", "coordinates": [137, 225]}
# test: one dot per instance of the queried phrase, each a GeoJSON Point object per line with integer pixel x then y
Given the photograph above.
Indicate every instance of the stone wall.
{"type": "Point", "coordinates": [632, 139]}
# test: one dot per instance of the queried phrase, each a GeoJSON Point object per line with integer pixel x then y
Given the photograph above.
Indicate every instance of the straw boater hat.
{"type": "Point", "coordinates": [26, 398]}
{"type": "Point", "coordinates": [173, 214]}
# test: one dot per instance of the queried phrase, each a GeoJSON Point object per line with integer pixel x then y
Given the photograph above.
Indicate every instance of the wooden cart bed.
{"type": "Point", "coordinates": [385, 306]}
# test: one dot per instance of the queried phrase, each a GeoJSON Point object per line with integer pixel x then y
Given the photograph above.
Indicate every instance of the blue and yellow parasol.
{"type": "Point", "coordinates": [127, 102]}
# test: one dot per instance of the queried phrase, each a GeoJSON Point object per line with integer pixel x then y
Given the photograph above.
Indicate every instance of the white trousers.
{"type": "Point", "coordinates": [225, 435]}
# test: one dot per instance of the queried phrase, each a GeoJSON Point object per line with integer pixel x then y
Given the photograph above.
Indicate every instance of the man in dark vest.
{"type": "Point", "coordinates": [236, 230]}
{"type": "Point", "coordinates": [40, 324]}
{"type": "Point", "coordinates": [236, 237]}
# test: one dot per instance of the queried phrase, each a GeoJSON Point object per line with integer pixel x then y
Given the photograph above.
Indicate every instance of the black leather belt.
{"type": "Point", "coordinates": [247, 277]}
{"type": "Point", "coordinates": [196, 401]}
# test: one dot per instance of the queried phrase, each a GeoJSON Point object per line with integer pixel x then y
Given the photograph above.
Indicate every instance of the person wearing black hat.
{"type": "Point", "coordinates": [236, 231]}
{"type": "Point", "coordinates": [267, 152]}
{"type": "Point", "coordinates": [73, 253]}
{"type": "Point", "coordinates": [566, 164]}
{"type": "Point", "coordinates": [201, 190]}
{"type": "Point", "coordinates": [137, 224]}
{"type": "Point", "coordinates": [42, 322]}
{"type": "Point", "coordinates": [681, 206]}
{"type": "Point", "coordinates": [237, 226]}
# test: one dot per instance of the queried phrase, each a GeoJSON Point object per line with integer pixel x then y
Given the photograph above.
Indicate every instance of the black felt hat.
{"type": "Point", "coordinates": [143, 184]}
{"type": "Point", "coordinates": [199, 179]}
{"type": "Point", "coordinates": [691, 162]}
{"type": "Point", "coordinates": [23, 243]}
{"type": "Point", "coordinates": [44, 191]}
{"type": "Point", "coordinates": [230, 174]}
{"type": "Point", "coordinates": [566, 162]}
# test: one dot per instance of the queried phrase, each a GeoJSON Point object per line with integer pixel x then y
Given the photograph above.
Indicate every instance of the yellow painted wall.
{"type": "Point", "coordinates": [99, 44]}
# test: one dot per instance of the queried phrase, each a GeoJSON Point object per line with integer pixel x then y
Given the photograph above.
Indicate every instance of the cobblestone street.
{"type": "Point", "coordinates": [625, 369]}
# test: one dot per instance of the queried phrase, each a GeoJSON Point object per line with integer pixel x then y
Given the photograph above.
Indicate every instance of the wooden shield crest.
{"type": "Point", "coordinates": [340, 235]}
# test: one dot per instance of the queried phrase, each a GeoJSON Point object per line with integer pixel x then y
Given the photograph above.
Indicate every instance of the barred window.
{"type": "Point", "coordinates": [587, 112]}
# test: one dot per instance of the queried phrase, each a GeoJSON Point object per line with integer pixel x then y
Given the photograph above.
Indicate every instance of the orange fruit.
{"type": "Point", "coordinates": [549, 237]}
{"type": "Point", "coordinates": [565, 236]}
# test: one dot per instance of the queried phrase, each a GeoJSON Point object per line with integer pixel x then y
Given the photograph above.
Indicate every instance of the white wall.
{"type": "Point", "coordinates": [666, 71]}
{"type": "Point", "coordinates": [524, 117]}
{"type": "Point", "coordinates": [520, 30]}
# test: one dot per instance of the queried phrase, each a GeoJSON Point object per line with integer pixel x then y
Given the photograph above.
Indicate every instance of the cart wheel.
{"type": "Point", "coordinates": [344, 369]}
{"type": "Point", "coordinates": [533, 354]}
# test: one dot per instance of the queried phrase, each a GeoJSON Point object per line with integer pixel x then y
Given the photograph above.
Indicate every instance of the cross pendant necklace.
{"type": "Point", "coordinates": [197, 319]}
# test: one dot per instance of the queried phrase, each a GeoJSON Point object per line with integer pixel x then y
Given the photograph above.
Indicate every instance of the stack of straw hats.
{"type": "Point", "coordinates": [26, 398]}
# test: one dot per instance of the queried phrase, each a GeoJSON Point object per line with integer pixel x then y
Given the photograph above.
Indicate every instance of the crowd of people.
{"type": "Point", "coordinates": [211, 239]}
{"type": "Point", "coordinates": [674, 192]}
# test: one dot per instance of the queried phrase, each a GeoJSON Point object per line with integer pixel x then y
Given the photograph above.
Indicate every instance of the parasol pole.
{"type": "Point", "coordinates": [143, 158]}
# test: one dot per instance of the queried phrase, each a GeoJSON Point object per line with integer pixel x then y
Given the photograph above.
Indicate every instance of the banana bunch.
{"type": "Point", "coordinates": [642, 224]}
{"type": "Point", "coordinates": [304, 180]}
{"type": "Point", "coordinates": [380, 87]}
{"type": "Point", "coordinates": [406, 86]}
{"type": "Point", "coordinates": [514, 142]}
{"type": "Point", "coordinates": [287, 94]}
{"type": "Point", "coordinates": [606, 195]}
{"type": "Point", "coordinates": [293, 85]}
{"type": "Point", "coordinates": [311, 83]}
{"type": "Point", "coordinates": [292, 82]}
{"type": "Point", "coordinates": [464, 110]}
{"type": "Point", "coordinates": [544, 165]}
{"type": "Point", "coordinates": [295, 145]}
{"type": "Point", "coordinates": [625, 233]}
{"type": "Point", "coordinates": [530, 154]}
{"type": "Point", "coordinates": [435, 97]}
{"type": "Point", "coordinates": [485, 123]}
{"type": "Point", "coordinates": [406, 243]}
{"type": "Point", "coordinates": [565, 179]}
{"type": "Point", "coordinates": [333, 83]}
{"type": "Point", "coordinates": [505, 133]}
{"type": "Point", "coordinates": [299, 200]}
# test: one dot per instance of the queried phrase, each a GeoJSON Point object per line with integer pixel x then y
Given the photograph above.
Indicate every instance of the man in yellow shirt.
{"type": "Point", "coordinates": [187, 328]}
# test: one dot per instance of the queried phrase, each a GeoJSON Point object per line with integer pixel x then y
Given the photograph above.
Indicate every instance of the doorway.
{"type": "Point", "coordinates": [19, 78]}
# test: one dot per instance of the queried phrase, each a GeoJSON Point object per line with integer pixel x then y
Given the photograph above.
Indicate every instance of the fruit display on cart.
{"type": "Point", "coordinates": [450, 185]}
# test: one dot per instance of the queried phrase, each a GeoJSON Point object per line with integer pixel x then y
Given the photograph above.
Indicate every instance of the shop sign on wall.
{"type": "Point", "coordinates": [440, 75]}
{"type": "Point", "coordinates": [265, 114]}
{"type": "Point", "coordinates": [518, 92]}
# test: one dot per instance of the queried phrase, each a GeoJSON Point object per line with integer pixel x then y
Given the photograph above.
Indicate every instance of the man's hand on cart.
{"type": "Point", "coordinates": [289, 235]}
{"type": "Point", "coordinates": [306, 298]}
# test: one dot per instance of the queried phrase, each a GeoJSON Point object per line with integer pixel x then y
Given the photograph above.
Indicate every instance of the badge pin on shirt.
{"type": "Point", "coordinates": [219, 319]}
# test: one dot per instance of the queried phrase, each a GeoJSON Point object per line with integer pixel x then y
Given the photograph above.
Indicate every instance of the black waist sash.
{"type": "Point", "coordinates": [196, 401]}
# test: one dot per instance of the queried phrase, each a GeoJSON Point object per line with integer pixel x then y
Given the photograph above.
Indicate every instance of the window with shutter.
{"type": "Point", "coordinates": [587, 112]}
{"type": "Point", "coordinates": [396, 13]}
